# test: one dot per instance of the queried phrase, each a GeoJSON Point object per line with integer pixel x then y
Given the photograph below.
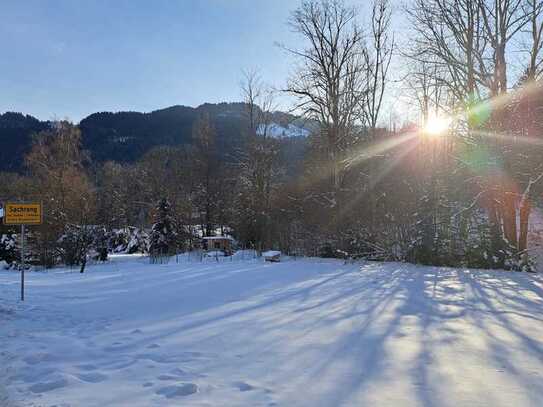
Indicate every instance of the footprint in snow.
{"type": "Point", "coordinates": [242, 386]}
{"type": "Point", "coordinates": [136, 331]}
{"type": "Point", "coordinates": [181, 390]}
{"type": "Point", "coordinates": [92, 377]}
{"type": "Point", "coordinates": [87, 367]}
{"type": "Point", "coordinates": [167, 377]}
{"type": "Point", "coordinates": [163, 358]}
{"type": "Point", "coordinates": [38, 358]}
{"type": "Point", "coordinates": [179, 372]}
{"type": "Point", "coordinates": [168, 358]}
{"type": "Point", "coordinates": [156, 358]}
{"type": "Point", "coordinates": [120, 364]}
{"type": "Point", "coordinates": [52, 384]}
{"type": "Point", "coordinates": [31, 375]}
{"type": "Point", "coordinates": [115, 346]}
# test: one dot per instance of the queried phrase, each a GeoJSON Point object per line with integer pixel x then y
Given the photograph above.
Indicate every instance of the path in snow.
{"type": "Point", "coordinates": [297, 333]}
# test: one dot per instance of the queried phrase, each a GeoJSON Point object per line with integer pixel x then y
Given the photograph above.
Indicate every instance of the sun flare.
{"type": "Point", "coordinates": [437, 125]}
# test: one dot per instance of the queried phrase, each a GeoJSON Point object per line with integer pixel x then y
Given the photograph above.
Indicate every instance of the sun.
{"type": "Point", "coordinates": [437, 125]}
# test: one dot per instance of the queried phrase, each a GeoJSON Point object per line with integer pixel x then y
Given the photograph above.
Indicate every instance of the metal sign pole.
{"type": "Point", "coordinates": [23, 213]}
{"type": "Point", "coordinates": [22, 262]}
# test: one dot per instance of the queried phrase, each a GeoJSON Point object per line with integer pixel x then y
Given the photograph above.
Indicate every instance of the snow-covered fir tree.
{"type": "Point", "coordinates": [162, 240]}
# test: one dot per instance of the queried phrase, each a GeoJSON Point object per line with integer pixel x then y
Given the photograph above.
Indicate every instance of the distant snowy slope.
{"type": "Point", "coordinates": [276, 130]}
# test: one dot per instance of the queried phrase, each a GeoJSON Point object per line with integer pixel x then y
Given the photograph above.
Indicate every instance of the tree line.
{"type": "Point", "coordinates": [461, 197]}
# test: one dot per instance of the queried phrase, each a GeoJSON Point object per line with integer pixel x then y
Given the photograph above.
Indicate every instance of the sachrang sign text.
{"type": "Point", "coordinates": [23, 213]}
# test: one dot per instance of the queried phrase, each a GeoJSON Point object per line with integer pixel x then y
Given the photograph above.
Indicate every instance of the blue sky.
{"type": "Point", "coordinates": [69, 58]}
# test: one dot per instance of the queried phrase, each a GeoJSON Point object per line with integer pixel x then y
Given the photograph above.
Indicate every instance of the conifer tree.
{"type": "Point", "coordinates": [163, 234]}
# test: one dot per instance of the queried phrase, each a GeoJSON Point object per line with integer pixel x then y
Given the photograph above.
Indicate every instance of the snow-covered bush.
{"type": "Point", "coordinates": [9, 251]}
{"type": "Point", "coordinates": [118, 240]}
{"type": "Point", "coordinates": [128, 240]}
{"type": "Point", "coordinates": [75, 243]}
{"type": "Point", "coordinates": [138, 241]}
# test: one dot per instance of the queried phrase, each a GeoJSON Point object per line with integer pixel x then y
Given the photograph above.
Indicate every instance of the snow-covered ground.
{"type": "Point", "coordinates": [276, 130]}
{"type": "Point", "coordinates": [248, 333]}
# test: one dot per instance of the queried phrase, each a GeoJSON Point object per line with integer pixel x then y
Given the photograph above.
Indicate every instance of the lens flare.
{"type": "Point", "coordinates": [437, 125]}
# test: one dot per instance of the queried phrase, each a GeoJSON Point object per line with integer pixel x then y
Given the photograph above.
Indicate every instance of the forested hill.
{"type": "Point", "coordinates": [16, 132]}
{"type": "Point", "coordinates": [126, 136]}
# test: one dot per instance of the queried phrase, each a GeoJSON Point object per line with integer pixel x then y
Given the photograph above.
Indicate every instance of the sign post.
{"type": "Point", "coordinates": [23, 214]}
{"type": "Point", "coordinates": [22, 262]}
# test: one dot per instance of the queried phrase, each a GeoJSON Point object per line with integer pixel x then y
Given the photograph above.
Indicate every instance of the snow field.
{"type": "Point", "coordinates": [247, 333]}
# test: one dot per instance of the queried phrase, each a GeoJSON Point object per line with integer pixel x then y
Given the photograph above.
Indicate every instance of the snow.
{"type": "Point", "coordinates": [276, 130]}
{"type": "Point", "coordinates": [215, 253]}
{"type": "Point", "coordinates": [311, 333]}
{"type": "Point", "coordinates": [198, 230]}
{"type": "Point", "coordinates": [271, 253]}
{"type": "Point", "coordinates": [218, 238]}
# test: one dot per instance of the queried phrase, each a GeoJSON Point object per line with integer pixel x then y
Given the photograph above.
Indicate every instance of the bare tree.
{"type": "Point", "coordinates": [534, 12]}
{"type": "Point", "coordinates": [449, 33]}
{"type": "Point", "coordinates": [329, 83]}
{"type": "Point", "coordinates": [56, 162]}
{"type": "Point", "coordinates": [259, 102]}
{"type": "Point", "coordinates": [377, 63]}
{"type": "Point", "coordinates": [259, 160]}
{"type": "Point", "coordinates": [501, 19]}
{"type": "Point", "coordinates": [206, 172]}
{"type": "Point", "coordinates": [467, 41]}
{"type": "Point", "coordinates": [424, 86]}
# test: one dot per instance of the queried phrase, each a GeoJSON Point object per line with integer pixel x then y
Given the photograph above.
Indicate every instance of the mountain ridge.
{"type": "Point", "coordinates": [125, 136]}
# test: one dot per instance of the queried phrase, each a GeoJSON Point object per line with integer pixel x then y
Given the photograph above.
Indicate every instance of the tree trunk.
{"type": "Point", "coordinates": [83, 264]}
{"type": "Point", "coordinates": [510, 218]}
{"type": "Point", "coordinates": [525, 209]}
{"type": "Point", "coordinates": [496, 236]}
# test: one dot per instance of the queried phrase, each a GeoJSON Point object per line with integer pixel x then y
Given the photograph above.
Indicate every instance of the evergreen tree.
{"type": "Point", "coordinates": [163, 236]}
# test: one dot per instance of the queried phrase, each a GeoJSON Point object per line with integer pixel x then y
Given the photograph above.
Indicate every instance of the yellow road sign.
{"type": "Point", "coordinates": [23, 213]}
